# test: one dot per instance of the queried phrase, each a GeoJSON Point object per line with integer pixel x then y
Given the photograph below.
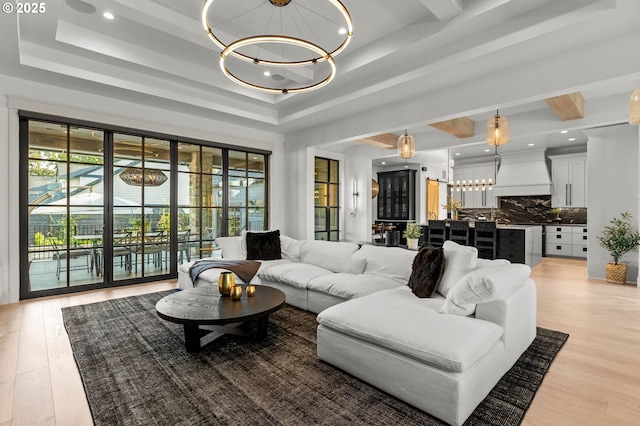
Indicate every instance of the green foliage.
{"type": "Point", "coordinates": [556, 211]}
{"type": "Point", "coordinates": [413, 231]}
{"type": "Point", "coordinates": [72, 224]}
{"type": "Point", "coordinates": [136, 223]}
{"type": "Point", "coordinates": [39, 239]}
{"type": "Point", "coordinates": [620, 237]}
{"type": "Point", "coordinates": [164, 223]}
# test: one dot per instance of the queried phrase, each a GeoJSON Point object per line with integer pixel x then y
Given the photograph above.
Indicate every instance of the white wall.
{"type": "Point", "coordinates": [613, 188]}
{"type": "Point", "coordinates": [37, 97]}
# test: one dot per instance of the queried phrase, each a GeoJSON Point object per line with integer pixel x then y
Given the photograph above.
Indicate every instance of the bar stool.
{"type": "Point", "coordinates": [486, 239]}
{"type": "Point", "coordinates": [459, 232]}
{"type": "Point", "coordinates": [436, 232]}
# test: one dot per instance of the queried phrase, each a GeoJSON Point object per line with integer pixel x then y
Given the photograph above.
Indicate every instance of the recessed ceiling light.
{"type": "Point", "coordinates": [383, 163]}
{"type": "Point", "coordinates": [564, 131]}
{"type": "Point", "coordinates": [531, 144]}
{"type": "Point", "coordinates": [487, 150]}
{"type": "Point", "coordinates": [457, 153]}
{"type": "Point", "coordinates": [266, 73]}
{"type": "Point", "coordinates": [342, 31]}
{"type": "Point", "coordinates": [572, 139]}
{"type": "Point", "coordinates": [108, 15]}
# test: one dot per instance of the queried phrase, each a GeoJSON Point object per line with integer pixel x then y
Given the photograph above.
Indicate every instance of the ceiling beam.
{"type": "Point", "coordinates": [385, 140]}
{"type": "Point", "coordinates": [568, 107]}
{"type": "Point", "coordinates": [462, 127]}
{"type": "Point", "coordinates": [443, 9]}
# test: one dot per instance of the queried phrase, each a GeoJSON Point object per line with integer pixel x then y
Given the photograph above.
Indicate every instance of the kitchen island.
{"type": "Point", "coordinates": [516, 243]}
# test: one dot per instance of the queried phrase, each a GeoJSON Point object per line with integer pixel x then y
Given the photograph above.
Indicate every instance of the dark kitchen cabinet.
{"type": "Point", "coordinates": [396, 199]}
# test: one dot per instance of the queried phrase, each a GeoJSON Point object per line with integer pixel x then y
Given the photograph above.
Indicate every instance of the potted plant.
{"type": "Point", "coordinates": [557, 211]}
{"type": "Point", "coordinates": [619, 238]}
{"type": "Point", "coordinates": [412, 233]}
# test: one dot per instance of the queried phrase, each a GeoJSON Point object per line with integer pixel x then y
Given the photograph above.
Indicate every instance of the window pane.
{"type": "Point", "coordinates": [321, 219]}
{"type": "Point", "coordinates": [333, 219]}
{"type": "Point", "coordinates": [188, 189]}
{"type": "Point", "coordinates": [212, 160]}
{"type": "Point", "coordinates": [334, 195]}
{"type": "Point", "coordinates": [157, 154]}
{"type": "Point", "coordinates": [237, 219]}
{"type": "Point", "coordinates": [320, 194]}
{"type": "Point", "coordinates": [237, 192]}
{"type": "Point", "coordinates": [334, 172]}
{"type": "Point", "coordinates": [256, 165]}
{"type": "Point", "coordinates": [321, 171]}
{"type": "Point", "coordinates": [237, 163]}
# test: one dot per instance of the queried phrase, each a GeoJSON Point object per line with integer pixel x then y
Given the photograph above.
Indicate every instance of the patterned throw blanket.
{"type": "Point", "coordinates": [244, 269]}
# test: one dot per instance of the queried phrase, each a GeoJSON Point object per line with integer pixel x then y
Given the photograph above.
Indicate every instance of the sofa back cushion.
{"type": "Point", "coordinates": [392, 262]}
{"type": "Point", "coordinates": [290, 248]}
{"type": "Point", "coordinates": [458, 261]}
{"type": "Point", "coordinates": [332, 255]}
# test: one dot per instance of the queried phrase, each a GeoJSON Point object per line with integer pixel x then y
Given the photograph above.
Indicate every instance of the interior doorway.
{"type": "Point", "coordinates": [433, 199]}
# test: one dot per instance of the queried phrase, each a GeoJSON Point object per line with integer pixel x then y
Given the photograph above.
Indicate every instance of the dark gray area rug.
{"type": "Point", "coordinates": [136, 371]}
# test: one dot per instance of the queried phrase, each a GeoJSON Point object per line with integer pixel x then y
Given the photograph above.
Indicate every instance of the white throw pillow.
{"type": "Point", "coordinates": [332, 255]}
{"type": "Point", "coordinates": [458, 261]}
{"type": "Point", "coordinates": [231, 247]}
{"type": "Point", "coordinates": [484, 285]}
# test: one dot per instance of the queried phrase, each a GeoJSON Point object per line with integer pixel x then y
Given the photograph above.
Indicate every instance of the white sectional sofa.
{"type": "Point", "coordinates": [441, 354]}
{"type": "Point", "coordinates": [317, 274]}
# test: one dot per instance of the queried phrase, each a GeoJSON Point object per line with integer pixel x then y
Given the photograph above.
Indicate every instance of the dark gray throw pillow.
{"type": "Point", "coordinates": [426, 271]}
{"type": "Point", "coordinates": [263, 245]}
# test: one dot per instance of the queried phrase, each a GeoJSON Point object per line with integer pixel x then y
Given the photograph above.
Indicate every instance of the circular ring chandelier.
{"type": "Point", "coordinates": [320, 54]}
{"type": "Point", "coordinates": [277, 39]}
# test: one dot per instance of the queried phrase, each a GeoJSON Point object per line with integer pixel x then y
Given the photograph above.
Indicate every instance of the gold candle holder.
{"type": "Point", "coordinates": [236, 292]}
{"type": "Point", "coordinates": [225, 282]}
{"type": "Point", "coordinates": [251, 290]}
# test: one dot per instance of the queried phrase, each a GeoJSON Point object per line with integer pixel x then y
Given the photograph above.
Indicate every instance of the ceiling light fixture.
{"type": "Point", "coordinates": [148, 177]}
{"type": "Point", "coordinates": [296, 32]}
{"type": "Point", "coordinates": [497, 134]}
{"type": "Point", "coordinates": [497, 130]}
{"type": "Point", "coordinates": [634, 107]}
{"type": "Point", "coordinates": [108, 15]}
{"type": "Point", "coordinates": [406, 146]}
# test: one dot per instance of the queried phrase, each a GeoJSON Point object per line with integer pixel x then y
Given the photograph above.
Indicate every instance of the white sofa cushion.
{"type": "Point", "coordinates": [290, 248]}
{"type": "Point", "coordinates": [294, 274]}
{"type": "Point", "coordinates": [398, 320]}
{"type": "Point", "coordinates": [231, 247]}
{"type": "Point", "coordinates": [484, 285]}
{"type": "Point", "coordinates": [391, 262]}
{"type": "Point", "coordinates": [348, 286]}
{"type": "Point", "coordinates": [332, 255]}
{"type": "Point", "coordinates": [459, 260]}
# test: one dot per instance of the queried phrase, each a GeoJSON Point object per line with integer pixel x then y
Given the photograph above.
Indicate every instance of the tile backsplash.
{"type": "Point", "coordinates": [525, 210]}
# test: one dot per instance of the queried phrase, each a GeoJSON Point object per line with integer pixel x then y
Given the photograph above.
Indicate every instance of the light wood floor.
{"type": "Point", "coordinates": [594, 380]}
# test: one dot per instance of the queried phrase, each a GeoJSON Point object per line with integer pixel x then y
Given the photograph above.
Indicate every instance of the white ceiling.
{"type": "Point", "coordinates": [410, 63]}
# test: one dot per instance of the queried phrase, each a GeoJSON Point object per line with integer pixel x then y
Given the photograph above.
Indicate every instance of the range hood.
{"type": "Point", "coordinates": [523, 173]}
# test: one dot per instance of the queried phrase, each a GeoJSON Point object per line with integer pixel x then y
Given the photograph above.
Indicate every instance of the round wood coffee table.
{"type": "Point", "coordinates": [207, 315]}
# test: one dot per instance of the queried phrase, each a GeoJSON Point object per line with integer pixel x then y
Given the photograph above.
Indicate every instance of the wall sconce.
{"type": "Point", "coordinates": [355, 194]}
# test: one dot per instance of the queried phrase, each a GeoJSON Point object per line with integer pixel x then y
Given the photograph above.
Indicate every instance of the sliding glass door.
{"type": "Point", "coordinates": [110, 207]}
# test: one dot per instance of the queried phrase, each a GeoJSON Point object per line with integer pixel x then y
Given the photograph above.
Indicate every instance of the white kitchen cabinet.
{"type": "Point", "coordinates": [567, 241]}
{"type": "Point", "coordinates": [569, 180]}
{"type": "Point", "coordinates": [468, 175]}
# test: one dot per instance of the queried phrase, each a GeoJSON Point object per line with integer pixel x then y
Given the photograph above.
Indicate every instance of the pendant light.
{"type": "Point", "coordinates": [634, 107]}
{"type": "Point", "coordinates": [406, 146]}
{"type": "Point", "coordinates": [497, 130]}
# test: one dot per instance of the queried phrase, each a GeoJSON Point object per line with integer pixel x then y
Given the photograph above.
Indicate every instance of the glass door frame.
{"type": "Point", "coordinates": [108, 191]}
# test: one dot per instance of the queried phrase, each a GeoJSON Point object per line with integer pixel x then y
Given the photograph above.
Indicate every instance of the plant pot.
{"type": "Point", "coordinates": [412, 243]}
{"type": "Point", "coordinates": [616, 274]}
